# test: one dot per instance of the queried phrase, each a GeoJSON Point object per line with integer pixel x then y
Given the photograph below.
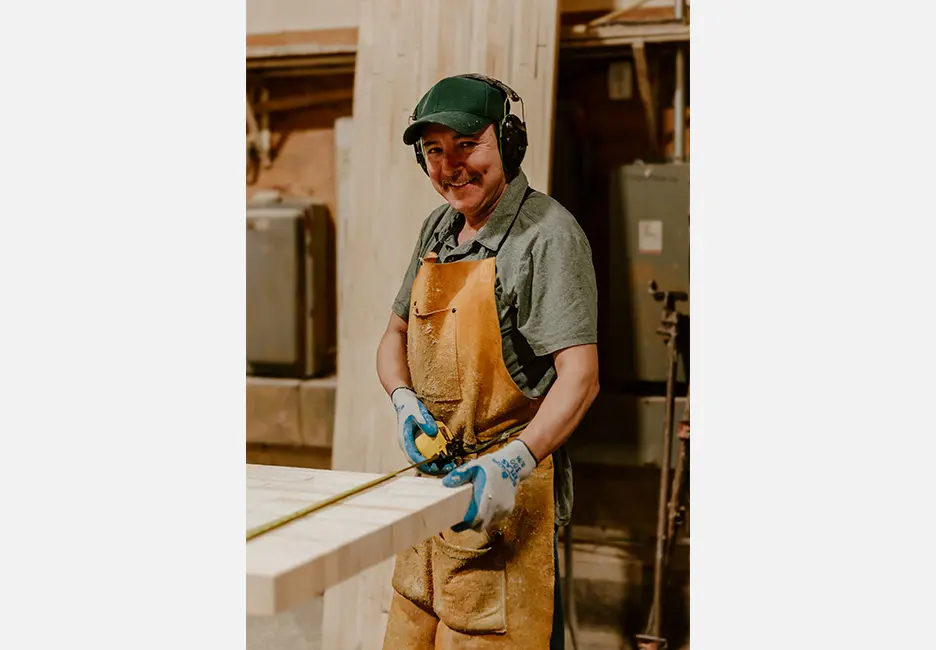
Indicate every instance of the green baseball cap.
{"type": "Point", "coordinates": [464, 105]}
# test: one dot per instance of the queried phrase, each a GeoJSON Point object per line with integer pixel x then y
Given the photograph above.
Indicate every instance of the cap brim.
{"type": "Point", "coordinates": [464, 123]}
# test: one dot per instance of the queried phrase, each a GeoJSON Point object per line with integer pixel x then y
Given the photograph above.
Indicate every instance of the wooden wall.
{"type": "Point", "coordinates": [403, 48]}
{"type": "Point", "coordinates": [272, 16]}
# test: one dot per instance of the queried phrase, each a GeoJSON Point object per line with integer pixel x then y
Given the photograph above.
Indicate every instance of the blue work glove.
{"type": "Point", "coordinates": [495, 478]}
{"type": "Point", "coordinates": [413, 418]}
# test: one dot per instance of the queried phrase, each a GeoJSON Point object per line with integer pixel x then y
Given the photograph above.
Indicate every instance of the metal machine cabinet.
{"type": "Point", "coordinates": [624, 431]}
{"type": "Point", "coordinates": [649, 241]}
{"type": "Point", "coordinates": [286, 285]}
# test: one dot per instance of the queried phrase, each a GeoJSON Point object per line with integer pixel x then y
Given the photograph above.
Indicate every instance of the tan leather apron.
{"type": "Point", "coordinates": [473, 590]}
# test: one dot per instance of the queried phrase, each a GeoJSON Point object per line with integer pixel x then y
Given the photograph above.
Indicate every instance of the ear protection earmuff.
{"type": "Point", "coordinates": [511, 132]}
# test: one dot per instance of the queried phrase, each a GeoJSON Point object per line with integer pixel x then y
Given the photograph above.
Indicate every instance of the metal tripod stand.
{"type": "Point", "coordinates": [673, 501]}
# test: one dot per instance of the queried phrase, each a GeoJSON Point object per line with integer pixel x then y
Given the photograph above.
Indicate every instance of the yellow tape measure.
{"type": "Point", "coordinates": [282, 521]}
{"type": "Point", "coordinates": [439, 444]}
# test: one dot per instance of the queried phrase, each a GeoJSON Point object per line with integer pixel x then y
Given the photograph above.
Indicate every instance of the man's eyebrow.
{"type": "Point", "coordinates": [458, 136]}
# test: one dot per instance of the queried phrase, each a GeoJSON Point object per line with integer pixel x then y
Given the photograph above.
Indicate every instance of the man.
{"type": "Point", "coordinates": [493, 332]}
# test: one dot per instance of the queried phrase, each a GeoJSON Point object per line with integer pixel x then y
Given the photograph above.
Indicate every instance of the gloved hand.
{"type": "Point", "coordinates": [495, 478]}
{"type": "Point", "coordinates": [413, 418]}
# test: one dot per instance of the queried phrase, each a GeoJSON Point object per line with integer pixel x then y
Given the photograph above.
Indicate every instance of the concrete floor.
{"type": "Point", "coordinates": [298, 629]}
{"type": "Point", "coordinates": [301, 629]}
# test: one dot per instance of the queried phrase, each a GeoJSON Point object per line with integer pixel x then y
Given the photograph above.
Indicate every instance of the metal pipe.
{"type": "Point", "coordinates": [265, 130]}
{"type": "Point", "coordinates": [659, 555]}
{"type": "Point", "coordinates": [679, 107]}
{"type": "Point", "coordinates": [571, 613]}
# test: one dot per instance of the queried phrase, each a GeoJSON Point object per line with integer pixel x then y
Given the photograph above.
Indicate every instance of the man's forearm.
{"type": "Point", "coordinates": [392, 368]}
{"type": "Point", "coordinates": [562, 410]}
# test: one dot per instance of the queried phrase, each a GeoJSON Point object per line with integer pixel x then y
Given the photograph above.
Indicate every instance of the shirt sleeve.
{"type": "Point", "coordinates": [557, 296]}
{"type": "Point", "coordinates": [401, 304]}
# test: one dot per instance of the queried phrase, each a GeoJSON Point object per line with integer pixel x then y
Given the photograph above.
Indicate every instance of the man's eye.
{"type": "Point", "coordinates": [468, 144]}
{"type": "Point", "coordinates": [434, 150]}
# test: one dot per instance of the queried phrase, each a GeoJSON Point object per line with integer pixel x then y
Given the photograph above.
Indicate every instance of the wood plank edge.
{"type": "Point", "coordinates": [291, 586]}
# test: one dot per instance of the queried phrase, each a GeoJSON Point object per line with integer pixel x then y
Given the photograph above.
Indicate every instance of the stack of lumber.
{"type": "Point", "coordinates": [290, 421]}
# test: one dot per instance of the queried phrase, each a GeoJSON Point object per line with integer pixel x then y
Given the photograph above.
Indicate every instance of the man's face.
{"type": "Point", "coordinates": [465, 169]}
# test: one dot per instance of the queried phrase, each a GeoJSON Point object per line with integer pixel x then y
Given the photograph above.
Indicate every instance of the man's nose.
{"type": "Point", "coordinates": [450, 163]}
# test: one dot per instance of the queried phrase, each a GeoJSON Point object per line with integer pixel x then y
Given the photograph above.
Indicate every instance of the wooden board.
{"type": "Point", "coordinates": [405, 46]}
{"type": "Point", "coordinates": [290, 412]}
{"type": "Point", "coordinates": [321, 41]}
{"type": "Point", "coordinates": [273, 411]}
{"type": "Point", "coordinates": [293, 564]}
{"type": "Point", "coordinates": [344, 199]}
{"type": "Point", "coordinates": [328, 23]}
{"type": "Point", "coordinates": [310, 457]}
{"type": "Point", "coordinates": [317, 411]}
{"type": "Point", "coordinates": [271, 16]}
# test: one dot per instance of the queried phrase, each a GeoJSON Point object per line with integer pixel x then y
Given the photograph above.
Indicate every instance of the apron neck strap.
{"type": "Point", "coordinates": [437, 248]}
{"type": "Point", "coordinates": [523, 199]}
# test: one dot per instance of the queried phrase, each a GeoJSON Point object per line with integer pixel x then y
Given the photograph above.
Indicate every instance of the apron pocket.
{"type": "Point", "coordinates": [432, 350]}
{"type": "Point", "coordinates": [469, 583]}
{"type": "Point", "coordinates": [412, 575]}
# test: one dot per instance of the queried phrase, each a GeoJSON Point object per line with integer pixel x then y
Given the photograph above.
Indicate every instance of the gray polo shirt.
{"type": "Point", "coordinates": [545, 289]}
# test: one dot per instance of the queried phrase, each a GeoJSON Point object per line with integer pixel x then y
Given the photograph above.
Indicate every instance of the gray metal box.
{"type": "Point", "coordinates": [286, 288]}
{"type": "Point", "coordinates": [624, 431]}
{"type": "Point", "coordinates": [649, 241]}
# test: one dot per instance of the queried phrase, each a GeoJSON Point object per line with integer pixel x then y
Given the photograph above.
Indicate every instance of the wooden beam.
{"type": "Point", "coordinates": [265, 161]}
{"type": "Point", "coordinates": [302, 42]}
{"type": "Point", "coordinates": [344, 196]}
{"type": "Point", "coordinates": [291, 412]}
{"type": "Point", "coordinates": [309, 61]}
{"type": "Point", "coordinates": [321, 47]}
{"type": "Point", "coordinates": [253, 129]}
{"type": "Point", "coordinates": [605, 35]}
{"type": "Point", "coordinates": [306, 100]}
{"type": "Point", "coordinates": [616, 14]}
{"type": "Point", "coordinates": [289, 456]}
{"type": "Point", "coordinates": [293, 564]}
{"type": "Point", "coordinates": [305, 71]}
{"type": "Point", "coordinates": [273, 411]}
{"type": "Point", "coordinates": [401, 53]}
{"type": "Point", "coordinates": [646, 93]}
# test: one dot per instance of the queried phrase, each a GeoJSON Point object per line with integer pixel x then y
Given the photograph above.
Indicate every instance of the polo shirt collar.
{"type": "Point", "coordinates": [491, 235]}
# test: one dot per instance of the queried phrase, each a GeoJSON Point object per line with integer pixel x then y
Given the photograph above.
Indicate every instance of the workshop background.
{"type": "Point", "coordinates": [619, 161]}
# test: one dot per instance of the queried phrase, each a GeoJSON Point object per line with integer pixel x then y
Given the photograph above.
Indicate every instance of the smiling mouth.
{"type": "Point", "coordinates": [460, 185]}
